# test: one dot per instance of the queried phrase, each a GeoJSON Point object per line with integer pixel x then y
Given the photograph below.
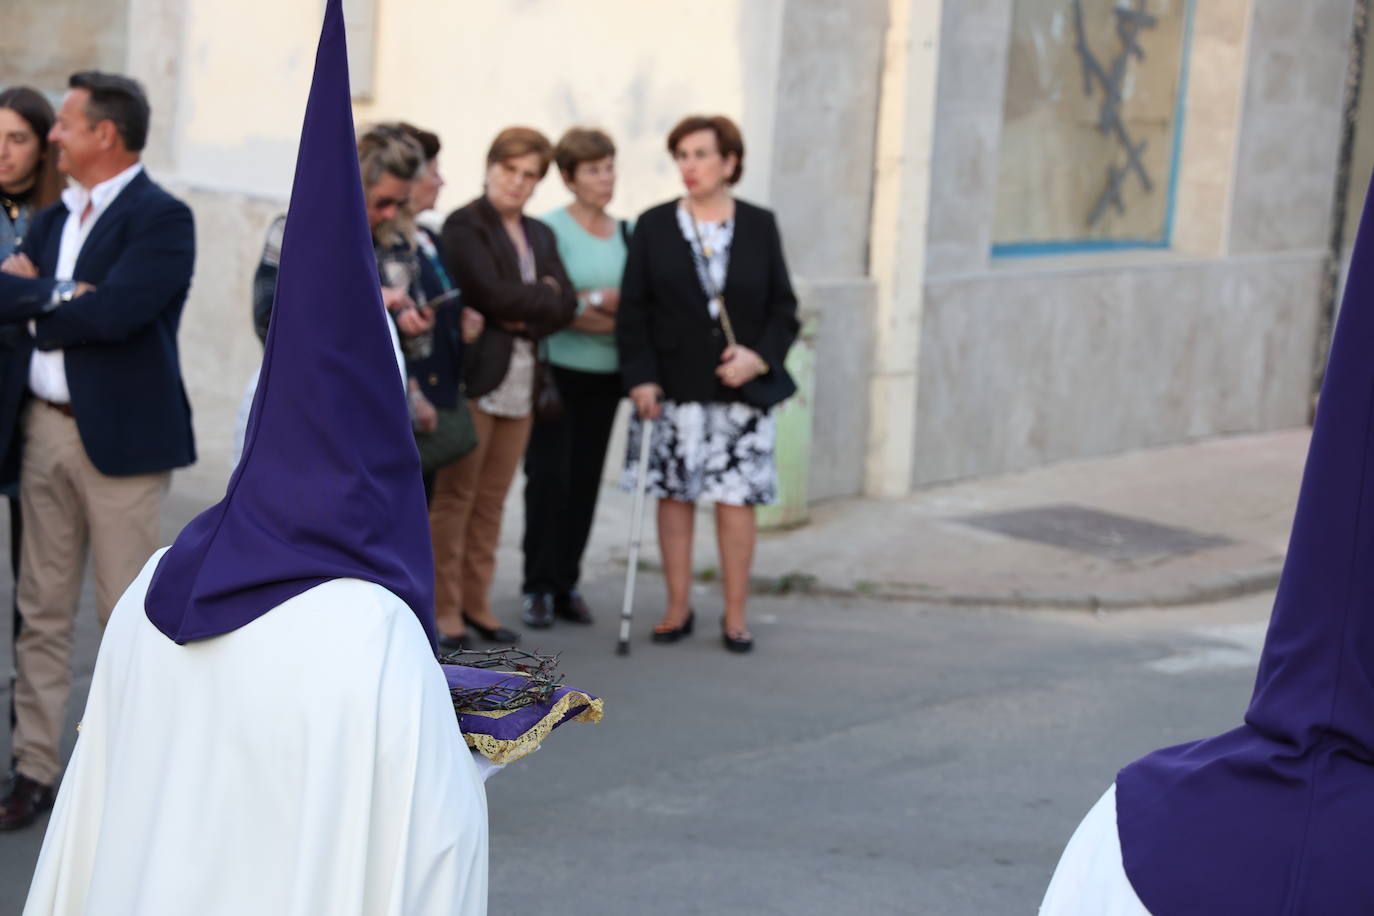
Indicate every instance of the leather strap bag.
{"type": "Point", "coordinates": [769, 389]}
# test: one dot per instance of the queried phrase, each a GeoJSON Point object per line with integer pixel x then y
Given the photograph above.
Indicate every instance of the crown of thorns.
{"type": "Point", "coordinates": [532, 679]}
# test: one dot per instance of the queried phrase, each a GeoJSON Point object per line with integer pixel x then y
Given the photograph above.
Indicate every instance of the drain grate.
{"type": "Point", "coordinates": [1101, 534]}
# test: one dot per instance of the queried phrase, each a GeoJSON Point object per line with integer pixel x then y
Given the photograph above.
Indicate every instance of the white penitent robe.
{"type": "Point", "coordinates": [1090, 879]}
{"type": "Point", "coordinates": [306, 763]}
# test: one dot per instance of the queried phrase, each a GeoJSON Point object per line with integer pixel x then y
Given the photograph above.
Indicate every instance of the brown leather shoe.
{"type": "Point", "coordinates": [23, 802]}
{"type": "Point", "coordinates": [570, 607]}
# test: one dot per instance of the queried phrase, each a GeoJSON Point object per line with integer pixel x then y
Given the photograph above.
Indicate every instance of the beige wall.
{"type": "Point", "coordinates": [630, 67]}
{"type": "Point", "coordinates": [242, 92]}
{"type": "Point", "coordinates": [467, 70]}
{"type": "Point", "coordinates": [42, 42]}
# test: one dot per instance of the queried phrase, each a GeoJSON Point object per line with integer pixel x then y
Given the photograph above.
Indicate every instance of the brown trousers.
{"type": "Point", "coordinates": [68, 507]}
{"type": "Point", "coordinates": [465, 518]}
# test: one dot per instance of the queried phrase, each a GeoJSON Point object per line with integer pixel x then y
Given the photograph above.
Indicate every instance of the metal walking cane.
{"type": "Point", "coordinates": [646, 437]}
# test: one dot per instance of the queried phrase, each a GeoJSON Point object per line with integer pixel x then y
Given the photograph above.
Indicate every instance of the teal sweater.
{"type": "Point", "coordinates": [591, 263]}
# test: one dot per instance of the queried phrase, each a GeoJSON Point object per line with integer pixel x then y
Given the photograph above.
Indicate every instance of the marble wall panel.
{"type": "Point", "coordinates": [1290, 126]}
{"type": "Point", "coordinates": [844, 311]}
{"type": "Point", "coordinates": [1025, 368]}
{"type": "Point", "coordinates": [823, 146]}
{"type": "Point", "coordinates": [974, 37]}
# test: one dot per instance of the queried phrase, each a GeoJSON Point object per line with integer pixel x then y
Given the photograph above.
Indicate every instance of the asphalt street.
{"type": "Point", "coordinates": [870, 757]}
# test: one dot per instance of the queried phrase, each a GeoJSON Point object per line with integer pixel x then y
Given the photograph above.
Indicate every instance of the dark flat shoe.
{"type": "Point", "coordinates": [454, 643]}
{"type": "Point", "coordinates": [676, 633]}
{"type": "Point", "coordinates": [538, 611]}
{"type": "Point", "coordinates": [23, 802]}
{"type": "Point", "coordinates": [572, 608]}
{"type": "Point", "coordinates": [740, 644]}
{"type": "Point", "coordinates": [498, 633]}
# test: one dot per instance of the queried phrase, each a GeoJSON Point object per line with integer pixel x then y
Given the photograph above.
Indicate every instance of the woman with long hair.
{"type": "Point", "coordinates": [29, 181]}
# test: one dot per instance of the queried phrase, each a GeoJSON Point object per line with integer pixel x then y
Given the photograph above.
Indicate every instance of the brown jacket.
{"type": "Point", "coordinates": [482, 260]}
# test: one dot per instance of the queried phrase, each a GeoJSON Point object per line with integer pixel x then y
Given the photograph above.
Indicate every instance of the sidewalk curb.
{"type": "Point", "coordinates": [1256, 579]}
{"type": "Point", "coordinates": [1202, 591]}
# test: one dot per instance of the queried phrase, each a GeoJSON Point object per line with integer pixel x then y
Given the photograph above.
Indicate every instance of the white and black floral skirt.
{"type": "Point", "coordinates": [715, 452]}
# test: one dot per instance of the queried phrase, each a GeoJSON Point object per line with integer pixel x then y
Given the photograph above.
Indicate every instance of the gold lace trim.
{"type": "Point", "coordinates": [507, 750]}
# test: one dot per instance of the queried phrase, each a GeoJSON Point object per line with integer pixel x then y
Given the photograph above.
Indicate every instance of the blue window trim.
{"type": "Point", "coordinates": [1086, 246]}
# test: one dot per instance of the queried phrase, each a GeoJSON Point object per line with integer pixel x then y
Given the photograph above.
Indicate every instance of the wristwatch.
{"type": "Point", "coordinates": [63, 291]}
{"type": "Point", "coordinates": [595, 298]}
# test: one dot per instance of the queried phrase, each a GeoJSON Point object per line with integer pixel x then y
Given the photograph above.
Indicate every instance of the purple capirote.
{"type": "Point", "coordinates": [329, 484]}
{"type": "Point", "coordinates": [1277, 816]}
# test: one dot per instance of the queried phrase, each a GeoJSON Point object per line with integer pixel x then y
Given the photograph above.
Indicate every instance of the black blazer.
{"type": "Point", "coordinates": [481, 259]}
{"type": "Point", "coordinates": [664, 329]}
{"type": "Point", "coordinates": [123, 368]}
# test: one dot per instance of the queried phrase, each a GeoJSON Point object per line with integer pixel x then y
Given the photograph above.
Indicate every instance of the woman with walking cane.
{"type": "Point", "coordinates": [707, 315]}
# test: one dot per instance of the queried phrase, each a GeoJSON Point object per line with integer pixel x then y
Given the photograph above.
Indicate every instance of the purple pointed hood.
{"type": "Point", "coordinates": [329, 484]}
{"type": "Point", "coordinates": [1277, 816]}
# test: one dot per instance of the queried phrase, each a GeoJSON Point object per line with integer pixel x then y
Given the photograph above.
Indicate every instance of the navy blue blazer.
{"type": "Point", "coordinates": [120, 341]}
{"type": "Point", "coordinates": [440, 374]}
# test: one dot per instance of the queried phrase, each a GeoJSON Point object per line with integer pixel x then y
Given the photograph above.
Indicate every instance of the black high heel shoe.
{"type": "Point", "coordinates": [677, 633]}
{"type": "Point", "coordinates": [497, 634]}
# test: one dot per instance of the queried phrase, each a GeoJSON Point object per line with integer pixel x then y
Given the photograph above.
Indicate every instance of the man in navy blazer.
{"type": "Point", "coordinates": [99, 285]}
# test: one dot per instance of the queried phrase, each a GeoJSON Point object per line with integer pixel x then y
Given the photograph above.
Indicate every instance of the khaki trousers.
{"type": "Point", "coordinates": [68, 507]}
{"type": "Point", "coordinates": [465, 517]}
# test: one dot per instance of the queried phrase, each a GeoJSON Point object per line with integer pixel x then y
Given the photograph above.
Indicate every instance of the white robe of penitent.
{"type": "Point", "coordinates": [1090, 879]}
{"type": "Point", "coordinates": [306, 763]}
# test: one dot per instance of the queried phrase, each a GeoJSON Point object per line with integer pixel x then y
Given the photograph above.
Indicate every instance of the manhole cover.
{"type": "Point", "coordinates": [1101, 534]}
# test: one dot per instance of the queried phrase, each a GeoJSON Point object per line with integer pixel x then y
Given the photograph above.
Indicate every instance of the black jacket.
{"type": "Point", "coordinates": [123, 368]}
{"type": "Point", "coordinates": [482, 261]}
{"type": "Point", "coordinates": [664, 329]}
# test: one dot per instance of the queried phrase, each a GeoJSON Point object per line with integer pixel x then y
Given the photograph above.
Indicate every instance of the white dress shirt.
{"type": "Point", "coordinates": [48, 368]}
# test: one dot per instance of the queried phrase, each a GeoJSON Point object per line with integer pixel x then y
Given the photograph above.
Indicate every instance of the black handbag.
{"type": "Point", "coordinates": [548, 400]}
{"type": "Point", "coordinates": [769, 390]}
{"type": "Point", "coordinates": [453, 438]}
